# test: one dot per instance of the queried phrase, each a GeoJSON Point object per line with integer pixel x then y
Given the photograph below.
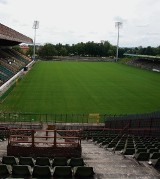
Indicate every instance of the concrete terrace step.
{"type": "Point", "coordinates": [112, 165]}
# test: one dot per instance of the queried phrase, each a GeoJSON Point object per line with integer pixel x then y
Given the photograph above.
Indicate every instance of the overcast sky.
{"type": "Point", "coordinates": [73, 21]}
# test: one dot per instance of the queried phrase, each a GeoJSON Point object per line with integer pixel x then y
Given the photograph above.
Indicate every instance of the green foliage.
{"type": "Point", "coordinates": [144, 50]}
{"type": "Point", "coordinates": [63, 51]}
{"type": "Point", "coordinates": [30, 51]}
{"type": "Point", "coordinates": [84, 87]}
{"type": "Point", "coordinates": [92, 49]}
{"type": "Point", "coordinates": [47, 50]}
{"type": "Point", "coordinates": [17, 48]}
{"type": "Point", "coordinates": [82, 49]}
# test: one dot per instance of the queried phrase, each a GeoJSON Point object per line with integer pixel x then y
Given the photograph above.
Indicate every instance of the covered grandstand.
{"type": "Point", "coordinates": [149, 57]}
{"type": "Point", "coordinates": [10, 37]}
{"type": "Point", "coordinates": [12, 62]}
{"type": "Point", "coordinates": [148, 62]}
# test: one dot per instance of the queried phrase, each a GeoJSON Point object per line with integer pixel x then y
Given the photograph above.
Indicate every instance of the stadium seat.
{"type": "Point", "coordinates": [142, 156]}
{"type": "Point", "coordinates": [73, 162]}
{"type": "Point", "coordinates": [156, 163]}
{"type": "Point", "coordinates": [152, 150]}
{"type": "Point", "coordinates": [83, 172]}
{"type": "Point", "coordinates": [141, 146]}
{"type": "Point", "coordinates": [59, 161]}
{"type": "Point", "coordinates": [111, 145]}
{"type": "Point", "coordinates": [21, 171]}
{"type": "Point", "coordinates": [150, 146]}
{"type": "Point", "coordinates": [9, 160]}
{"type": "Point", "coordinates": [129, 151]}
{"type": "Point", "coordinates": [119, 147]}
{"type": "Point", "coordinates": [41, 171]}
{"type": "Point", "coordinates": [62, 171]}
{"type": "Point", "coordinates": [129, 145]}
{"type": "Point", "coordinates": [43, 161]}
{"type": "Point", "coordinates": [140, 150]}
{"type": "Point", "coordinates": [26, 161]}
{"type": "Point", "coordinates": [5, 170]}
{"type": "Point", "coordinates": [104, 143]}
{"type": "Point", "coordinates": [155, 155]}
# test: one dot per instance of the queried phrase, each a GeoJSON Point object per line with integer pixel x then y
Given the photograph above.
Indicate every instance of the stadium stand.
{"type": "Point", "coordinates": [147, 62]}
{"type": "Point", "coordinates": [10, 37]}
{"type": "Point", "coordinates": [43, 167]}
{"type": "Point", "coordinates": [11, 61]}
{"type": "Point", "coordinates": [142, 148]}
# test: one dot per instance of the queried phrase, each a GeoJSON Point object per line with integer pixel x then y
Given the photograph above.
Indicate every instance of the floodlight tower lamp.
{"type": "Point", "coordinates": [118, 25]}
{"type": "Point", "coordinates": [35, 27]}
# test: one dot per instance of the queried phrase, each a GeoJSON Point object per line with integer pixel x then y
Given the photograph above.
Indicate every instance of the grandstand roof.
{"type": "Point", "coordinates": [11, 37]}
{"type": "Point", "coordinates": [143, 56]}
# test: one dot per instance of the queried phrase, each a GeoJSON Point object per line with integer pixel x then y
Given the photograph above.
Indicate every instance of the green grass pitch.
{"type": "Point", "coordinates": [85, 87]}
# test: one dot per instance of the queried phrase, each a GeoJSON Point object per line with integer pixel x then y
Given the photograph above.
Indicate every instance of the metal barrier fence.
{"type": "Point", "coordinates": [52, 118]}
{"type": "Point", "coordinates": [44, 143]}
{"type": "Point", "coordinates": [141, 124]}
{"type": "Point", "coordinates": [112, 121]}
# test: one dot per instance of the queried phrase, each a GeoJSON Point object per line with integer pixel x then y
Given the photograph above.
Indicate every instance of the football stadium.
{"type": "Point", "coordinates": [76, 118]}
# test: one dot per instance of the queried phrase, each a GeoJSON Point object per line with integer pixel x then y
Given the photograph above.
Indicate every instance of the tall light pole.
{"type": "Point", "coordinates": [35, 27]}
{"type": "Point", "coordinates": [118, 25]}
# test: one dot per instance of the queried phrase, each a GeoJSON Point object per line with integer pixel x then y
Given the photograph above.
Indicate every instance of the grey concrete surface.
{"type": "Point", "coordinates": [110, 165]}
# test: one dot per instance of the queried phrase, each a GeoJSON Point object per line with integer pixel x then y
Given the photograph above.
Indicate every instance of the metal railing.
{"type": "Point", "coordinates": [44, 138]}
{"type": "Point", "coordinates": [51, 118]}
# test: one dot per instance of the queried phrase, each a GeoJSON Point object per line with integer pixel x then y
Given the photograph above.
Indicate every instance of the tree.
{"type": "Point", "coordinates": [149, 51]}
{"type": "Point", "coordinates": [63, 51]}
{"type": "Point", "coordinates": [30, 51]}
{"type": "Point", "coordinates": [47, 50]}
{"type": "Point", "coordinates": [17, 48]}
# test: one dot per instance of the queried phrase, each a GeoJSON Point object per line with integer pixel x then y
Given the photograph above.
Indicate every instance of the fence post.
{"type": "Point", "coordinates": [150, 128]}
{"type": "Point", "coordinates": [55, 137]}
{"type": "Point", "coordinates": [46, 117]}
{"type": "Point", "coordinates": [8, 135]}
{"type": "Point", "coordinates": [32, 137]}
{"type": "Point", "coordinates": [82, 118]}
{"type": "Point", "coordinates": [129, 126]}
{"type": "Point", "coordinates": [55, 118]}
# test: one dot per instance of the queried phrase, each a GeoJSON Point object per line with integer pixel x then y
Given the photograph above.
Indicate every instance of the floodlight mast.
{"type": "Point", "coordinates": [35, 27]}
{"type": "Point", "coordinates": [118, 25]}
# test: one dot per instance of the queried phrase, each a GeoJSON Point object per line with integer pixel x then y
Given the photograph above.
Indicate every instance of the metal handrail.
{"type": "Point", "coordinates": [31, 139]}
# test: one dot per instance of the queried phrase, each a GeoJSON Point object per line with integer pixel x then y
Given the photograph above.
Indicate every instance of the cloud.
{"type": "Point", "coordinates": [143, 25]}
{"type": "Point", "coordinates": [3, 1]}
{"type": "Point", "coordinates": [119, 19]}
{"type": "Point", "coordinates": [153, 34]}
{"type": "Point", "coordinates": [81, 20]}
{"type": "Point", "coordinates": [71, 32]}
{"type": "Point", "coordinates": [93, 33]}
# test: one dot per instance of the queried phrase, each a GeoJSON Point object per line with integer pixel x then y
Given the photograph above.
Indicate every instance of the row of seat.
{"type": "Point", "coordinates": [120, 142]}
{"type": "Point", "coordinates": [141, 148]}
{"type": "Point", "coordinates": [43, 161]}
{"type": "Point", "coordinates": [2, 138]}
{"type": "Point", "coordinates": [45, 171]}
{"type": "Point", "coordinates": [11, 62]}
